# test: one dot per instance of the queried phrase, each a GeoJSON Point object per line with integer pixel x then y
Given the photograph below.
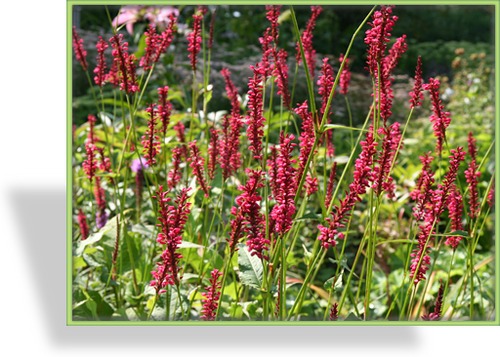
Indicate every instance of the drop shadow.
{"type": "Point", "coordinates": [43, 238]}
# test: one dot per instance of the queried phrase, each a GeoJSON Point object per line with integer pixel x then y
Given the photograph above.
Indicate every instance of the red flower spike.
{"type": "Point", "coordinates": [272, 14]}
{"type": "Point", "coordinates": [164, 40]}
{"type": "Point", "coordinates": [423, 193]}
{"type": "Point", "coordinates": [491, 197]}
{"type": "Point", "coordinates": [255, 118]}
{"type": "Point", "coordinates": [306, 139]}
{"type": "Point", "coordinates": [378, 36]}
{"type": "Point", "coordinates": [80, 53]}
{"type": "Point", "coordinates": [175, 175]}
{"type": "Point", "coordinates": [307, 41]}
{"type": "Point", "coordinates": [345, 76]}
{"type": "Point", "coordinates": [82, 223]}
{"type": "Point", "coordinates": [472, 175]}
{"type": "Point", "coordinates": [267, 50]}
{"type": "Point", "coordinates": [124, 64]}
{"type": "Point", "coordinates": [440, 197]}
{"type": "Point", "coordinates": [229, 145]}
{"type": "Point", "coordinates": [172, 221]}
{"type": "Point", "coordinates": [198, 166]}
{"type": "Point", "coordinates": [282, 213]}
{"type": "Point", "coordinates": [334, 312]}
{"type": "Point", "coordinates": [440, 119]}
{"type": "Point", "coordinates": [213, 152]}
{"type": "Point", "coordinates": [330, 184]}
{"type": "Point", "coordinates": [281, 73]}
{"type": "Point", "coordinates": [164, 108]}
{"type": "Point", "coordinates": [455, 214]}
{"type": "Point", "coordinates": [151, 36]}
{"type": "Point", "coordinates": [390, 143]}
{"type": "Point", "coordinates": [249, 219]}
{"type": "Point", "coordinates": [89, 165]}
{"type": "Point", "coordinates": [100, 69]}
{"type": "Point", "coordinates": [436, 314]}
{"type": "Point", "coordinates": [211, 297]}
{"type": "Point", "coordinates": [417, 96]}
{"type": "Point", "coordinates": [150, 141]}
{"type": "Point", "coordinates": [100, 198]}
{"type": "Point", "coordinates": [194, 40]}
{"type": "Point", "coordinates": [362, 176]}
{"type": "Point", "coordinates": [325, 84]}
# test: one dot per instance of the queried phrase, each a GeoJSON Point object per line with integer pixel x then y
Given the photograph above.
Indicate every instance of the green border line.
{"type": "Point", "coordinates": [69, 178]}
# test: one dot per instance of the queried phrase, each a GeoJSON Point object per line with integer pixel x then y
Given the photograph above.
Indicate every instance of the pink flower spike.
{"type": "Point", "coordinates": [255, 119]}
{"type": "Point", "coordinates": [123, 65]}
{"type": "Point", "coordinates": [249, 219]}
{"type": "Point", "coordinates": [440, 119]}
{"type": "Point", "coordinates": [150, 140]}
{"type": "Point", "coordinates": [80, 53]}
{"type": "Point", "coordinates": [213, 153]}
{"type": "Point", "coordinates": [455, 210]}
{"type": "Point", "coordinates": [197, 164]}
{"type": "Point", "coordinates": [306, 139]}
{"type": "Point", "coordinates": [151, 46]}
{"type": "Point", "coordinates": [100, 198]}
{"type": "Point", "coordinates": [390, 143]}
{"type": "Point", "coordinates": [82, 223]}
{"type": "Point", "coordinates": [164, 108]}
{"type": "Point", "coordinates": [194, 40]}
{"type": "Point", "coordinates": [273, 13]}
{"type": "Point", "coordinates": [345, 76]}
{"type": "Point", "coordinates": [436, 314]}
{"type": "Point", "coordinates": [211, 297]}
{"type": "Point", "coordinates": [175, 175]}
{"type": "Point", "coordinates": [472, 175]}
{"type": "Point", "coordinates": [417, 96]}
{"type": "Point", "coordinates": [285, 189]}
{"type": "Point", "coordinates": [164, 40]}
{"type": "Point", "coordinates": [491, 197]}
{"type": "Point", "coordinates": [281, 74]}
{"type": "Point", "coordinates": [307, 41]}
{"type": "Point", "coordinates": [172, 221]}
{"type": "Point", "coordinates": [100, 69]}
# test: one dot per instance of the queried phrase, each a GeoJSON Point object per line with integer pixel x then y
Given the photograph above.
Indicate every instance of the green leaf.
{"type": "Point", "coordinates": [338, 283]}
{"type": "Point", "coordinates": [250, 267]}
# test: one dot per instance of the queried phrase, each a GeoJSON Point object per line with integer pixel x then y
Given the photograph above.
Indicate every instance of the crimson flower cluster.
{"type": "Point", "coordinates": [248, 218]}
{"type": "Point", "coordinates": [362, 176]}
{"type": "Point", "coordinates": [472, 177]}
{"type": "Point", "coordinates": [306, 139]}
{"type": "Point", "coordinates": [455, 212]}
{"type": "Point", "coordinates": [417, 96]}
{"type": "Point", "coordinates": [125, 63]}
{"type": "Point", "coordinates": [436, 314]}
{"type": "Point", "coordinates": [172, 219]}
{"type": "Point", "coordinates": [390, 146]}
{"type": "Point", "coordinates": [307, 41]}
{"type": "Point", "coordinates": [211, 297]}
{"type": "Point", "coordinates": [255, 118]}
{"type": "Point", "coordinates": [194, 40]}
{"type": "Point", "coordinates": [82, 223]}
{"type": "Point", "coordinates": [431, 214]}
{"type": "Point", "coordinates": [100, 68]}
{"type": "Point", "coordinates": [345, 76]}
{"type": "Point", "coordinates": [80, 52]}
{"type": "Point", "coordinates": [440, 119]}
{"type": "Point", "coordinates": [150, 140]}
{"type": "Point", "coordinates": [164, 108]}
{"type": "Point", "coordinates": [285, 186]}
{"type": "Point", "coordinates": [198, 166]}
{"type": "Point", "coordinates": [156, 44]}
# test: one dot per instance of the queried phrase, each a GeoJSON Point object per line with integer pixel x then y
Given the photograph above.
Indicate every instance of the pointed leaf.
{"type": "Point", "coordinates": [250, 267]}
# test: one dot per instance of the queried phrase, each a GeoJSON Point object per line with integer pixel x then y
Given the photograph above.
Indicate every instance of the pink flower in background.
{"type": "Point", "coordinates": [272, 14]}
{"type": "Point", "coordinates": [156, 15]}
